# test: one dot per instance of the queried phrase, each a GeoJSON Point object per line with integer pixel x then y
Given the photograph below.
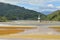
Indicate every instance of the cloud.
{"type": "Point", "coordinates": [33, 2]}
{"type": "Point", "coordinates": [10, 1]}
{"type": "Point", "coordinates": [42, 5]}
{"type": "Point", "coordinates": [58, 7]}
{"type": "Point", "coordinates": [50, 5]}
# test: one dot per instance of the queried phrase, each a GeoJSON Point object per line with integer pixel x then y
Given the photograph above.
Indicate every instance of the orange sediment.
{"type": "Point", "coordinates": [33, 36]}
{"type": "Point", "coordinates": [56, 28]}
{"type": "Point", "coordinates": [13, 29]}
{"type": "Point", "coordinates": [17, 27]}
{"type": "Point", "coordinates": [4, 32]}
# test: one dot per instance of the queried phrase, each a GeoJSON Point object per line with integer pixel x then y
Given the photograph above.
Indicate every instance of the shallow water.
{"type": "Point", "coordinates": [41, 29]}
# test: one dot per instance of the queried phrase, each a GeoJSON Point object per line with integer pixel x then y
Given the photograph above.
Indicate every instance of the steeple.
{"type": "Point", "coordinates": [39, 18]}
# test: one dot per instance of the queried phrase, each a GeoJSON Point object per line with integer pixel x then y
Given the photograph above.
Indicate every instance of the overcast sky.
{"type": "Point", "coordinates": [37, 5]}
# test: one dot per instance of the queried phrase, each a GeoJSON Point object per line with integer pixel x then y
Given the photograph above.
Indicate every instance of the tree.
{"type": "Point", "coordinates": [3, 19]}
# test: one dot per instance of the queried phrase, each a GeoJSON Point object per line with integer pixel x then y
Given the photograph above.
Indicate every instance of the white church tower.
{"type": "Point", "coordinates": [39, 18]}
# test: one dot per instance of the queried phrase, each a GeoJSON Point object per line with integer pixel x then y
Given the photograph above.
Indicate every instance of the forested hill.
{"type": "Point", "coordinates": [55, 16]}
{"type": "Point", "coordinates": [13, 12]}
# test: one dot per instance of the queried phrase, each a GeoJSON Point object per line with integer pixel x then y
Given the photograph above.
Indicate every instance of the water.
{"type": "Point", "coordinates": [42, 28]}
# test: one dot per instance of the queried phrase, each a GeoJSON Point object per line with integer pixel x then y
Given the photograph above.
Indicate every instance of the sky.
{"type": "Point", "coordinates": [37, 5]}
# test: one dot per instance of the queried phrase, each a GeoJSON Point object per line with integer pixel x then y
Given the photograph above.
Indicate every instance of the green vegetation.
{"type": "Point", "coordinates": [54, 16]}
{"type": "Point", "coordinates": [13, 12]}
{"type": "Point", "coordinates": [3, 19]}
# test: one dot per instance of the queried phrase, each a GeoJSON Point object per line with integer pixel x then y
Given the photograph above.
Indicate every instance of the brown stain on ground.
{"type": "Point", "coordinates": [32, 36]}
{"type": "Point", "coordinates": [17, 27]}
{"type": "Point", "coordinates": [56, 28]}
{"type": "Point", "coordinates": [13, 29]}
{"type": "Point", "coordinates": [4, 32]}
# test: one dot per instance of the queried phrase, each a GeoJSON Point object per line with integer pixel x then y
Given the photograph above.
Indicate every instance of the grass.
{"type": "Point", "coordinates": [56, 28]}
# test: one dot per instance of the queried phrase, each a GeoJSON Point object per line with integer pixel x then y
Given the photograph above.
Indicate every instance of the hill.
{"type": "Point", "coordinates": [13, 12]}
{"type": "Point", "coordinates": [55, 16]}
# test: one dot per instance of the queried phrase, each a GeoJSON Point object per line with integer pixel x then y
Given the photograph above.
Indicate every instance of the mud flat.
{"type": "Point", "coordinates": [6, 32]}
{"type": "Point", "coordinates": [17, 27]}
{"type": "Point", "coordinates": [32, 30]}
{"type": "Point", "coordinates": [33, 36]}
{"type": "Point", "coordinates": [56, 28]}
